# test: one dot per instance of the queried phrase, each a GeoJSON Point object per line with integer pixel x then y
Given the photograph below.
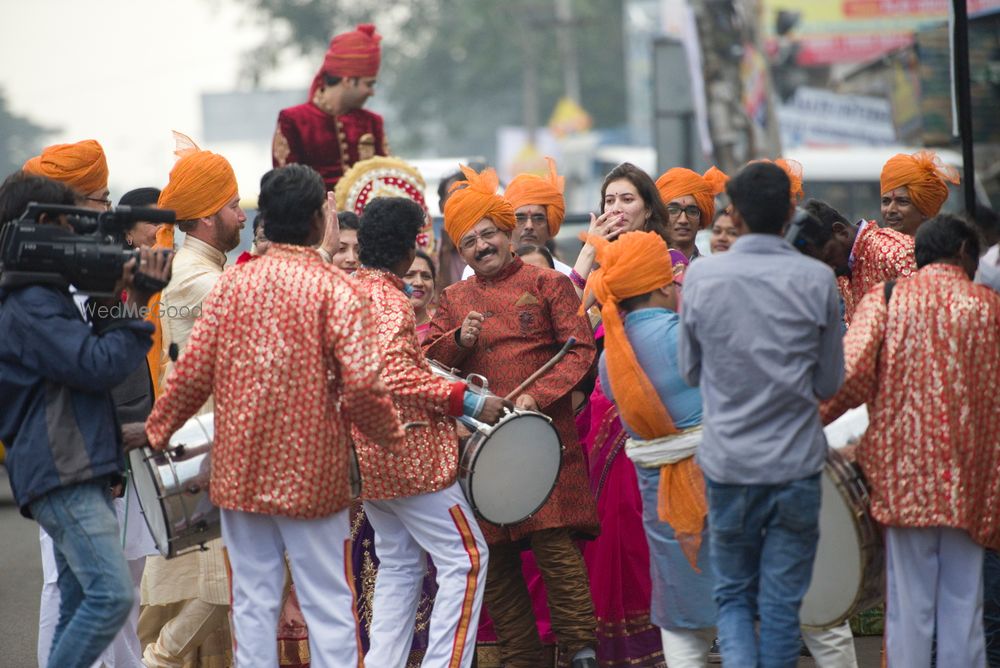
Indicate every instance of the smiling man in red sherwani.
{"type": "Point", "coordinates": [287, 348]}
{"type": "Point", "coordinates": [504, 323]}
{"type": "Point", "coordinates": [330, 132]}
{"type": "Point", "coordinates": [925, 357]}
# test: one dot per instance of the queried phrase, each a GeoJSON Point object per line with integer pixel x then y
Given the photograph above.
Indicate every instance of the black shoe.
{"type": "Point", "coordinates": [588, 662]}
{"type": "Point", "coordinates": [714, 653]}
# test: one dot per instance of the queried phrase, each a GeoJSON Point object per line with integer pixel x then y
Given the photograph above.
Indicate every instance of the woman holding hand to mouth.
{"type": "Point", "coordinates": [618, 560]}
{"type": "Point", "coordinates": [690, 199]}
{"type": "Point", "coordinates": [629, 202]}
{"type": "Point", "coordinates": [420, 279]}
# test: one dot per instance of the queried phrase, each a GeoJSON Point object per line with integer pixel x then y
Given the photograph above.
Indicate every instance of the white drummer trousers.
{"type": "Point", "coordinates": [934, 575]}
{"type": "Point", "coordinates": [440, 524]}
{"type": "Point", "coordinates": [319, 555]}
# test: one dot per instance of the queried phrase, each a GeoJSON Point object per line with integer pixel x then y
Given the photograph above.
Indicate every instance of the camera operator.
{"type": "Point", "coordinates": [64, 444]}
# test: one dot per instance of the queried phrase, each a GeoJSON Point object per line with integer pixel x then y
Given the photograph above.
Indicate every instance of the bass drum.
{"type": "Point", "coordinates": [172, 487]}
{"type": "Point", "coordinates": [849, 571]}
{"type": "Point", "coordinates": [507, 470]}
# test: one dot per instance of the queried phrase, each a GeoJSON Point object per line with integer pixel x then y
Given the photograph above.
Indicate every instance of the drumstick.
{"type": "Point", "coordinates": [530, 380]}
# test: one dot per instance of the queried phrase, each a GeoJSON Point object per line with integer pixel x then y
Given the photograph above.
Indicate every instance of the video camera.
{"type": "Point", "coordinates": [805, 230]}
{"type": "Point", "coordinates": [89, 257]}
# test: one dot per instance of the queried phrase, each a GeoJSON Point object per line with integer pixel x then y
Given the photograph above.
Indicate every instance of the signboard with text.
{"type": "Point", "coordinates": [844, 31]}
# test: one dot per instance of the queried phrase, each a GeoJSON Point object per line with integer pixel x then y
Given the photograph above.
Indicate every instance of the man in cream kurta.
{"type": "Point", "coordinates": [185, 618]}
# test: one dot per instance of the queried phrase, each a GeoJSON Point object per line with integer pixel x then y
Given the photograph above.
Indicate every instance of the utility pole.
{"type": "Point", "coordinates": [729, 34]}
{"type": "Point", "coordinates": [963, 98]}
{"type": "Point", "coordinates": [567, 49]}
{"type": "Point", "coordinates": [529, 83]}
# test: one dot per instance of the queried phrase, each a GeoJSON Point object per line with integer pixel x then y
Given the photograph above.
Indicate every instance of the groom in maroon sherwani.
{"type": "Point", "coordinates": [505, 322]}
{"type": "Point", "coordinates": [331, 131]}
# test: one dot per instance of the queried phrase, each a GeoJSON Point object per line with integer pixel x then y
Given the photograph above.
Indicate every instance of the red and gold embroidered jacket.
{"type": "Point", "coordinates": [928, 366]}
{"type": "Point", "coordinates": [530, 313]}
{"type": "Point", "coordinates": [880, 254]}
{"type": "Point", "coordinates": [430, 461]}
{"type": "Point", "coordinates": [287, 347]}
{"type": "Point", "coordinates": [329, 144]}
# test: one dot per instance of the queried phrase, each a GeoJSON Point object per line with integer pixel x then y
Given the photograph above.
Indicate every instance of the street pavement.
{"type": "Point", "coordinates": [21, 583]}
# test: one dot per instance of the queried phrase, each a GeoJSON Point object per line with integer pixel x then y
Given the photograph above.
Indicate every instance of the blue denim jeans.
{"type": "Point", "coordinates": [95, 586]}
{"type": "Point", "coordinates": [763, 546]}
{"type": "Point", "coordinates": [991, 607]}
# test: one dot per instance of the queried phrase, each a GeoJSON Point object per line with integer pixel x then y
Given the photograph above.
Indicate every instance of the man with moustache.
{"type": "Point", "coordinates": [861, 255]}
{"type": "Point", "coordinates": [914, 187]}
{"type": "Point", "coordinates": [539, 209]}
{"type": "Point", "coordinates": [187, 598]}
{"type": "Point", "coordinates": [504, 323]}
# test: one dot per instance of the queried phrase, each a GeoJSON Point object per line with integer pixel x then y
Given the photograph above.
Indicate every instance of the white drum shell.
{"type": "Point", "coordinates": [849, 571]}
{"type": "Point", "coordinates": [173, 488]}
{"type": "Point", "coordinates": [508, 470]}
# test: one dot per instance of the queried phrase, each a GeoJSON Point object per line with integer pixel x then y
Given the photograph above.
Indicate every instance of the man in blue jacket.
{"type": "Point", "coordinates": [57, 368]}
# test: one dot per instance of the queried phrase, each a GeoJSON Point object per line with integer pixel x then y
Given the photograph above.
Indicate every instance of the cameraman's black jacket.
{"type": "Point", "coordinates": [57, 417]}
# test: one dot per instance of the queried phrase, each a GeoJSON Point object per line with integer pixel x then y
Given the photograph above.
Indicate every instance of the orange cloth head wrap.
{"type": "Point", "coordinates": [634, 264]}
{"type": "Point", "coordinates": [527, 189]}
{"type": "Point", "coordinates": [82, 166]}
{"type": "Point", "coordinates": [679, 181]}
{"type": "Point", "coordinates": [793, 168]}
{"type": "Point", "coordinates": [201, 183]}
{"type": "Point", "coordinates": [924, 175]}
{"type": "Point", "coordinates": [351, 54]}
{"type": "Point", "coordinates": [474, 199]}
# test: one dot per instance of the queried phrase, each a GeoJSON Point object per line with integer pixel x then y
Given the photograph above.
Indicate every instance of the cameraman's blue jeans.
{"type": "Point", "coordinates": [94, 581]}
{"type": "Point", "coordinates": [763, 546]}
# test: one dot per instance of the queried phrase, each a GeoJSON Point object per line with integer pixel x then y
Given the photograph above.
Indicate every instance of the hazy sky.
{"type": "Point", "coordinates": [127, 72]}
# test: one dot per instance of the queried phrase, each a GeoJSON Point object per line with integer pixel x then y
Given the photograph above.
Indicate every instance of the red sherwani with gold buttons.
{"type": "Point", "coordinates": [430, 461]}
{"type": "Point", "coordinates": [287, 347]}
{"type": "Point", "coordinates": [529, 312]}
{"type": "Point", "coordinates": [329, 144]}
{"type": "Point", "coordinates": [879, 254]}
{"type": "Point", "coordinates": [928, 366]}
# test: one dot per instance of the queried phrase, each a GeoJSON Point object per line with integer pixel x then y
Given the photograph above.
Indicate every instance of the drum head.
{"type": "Point", "coordinates": [515, 469]}
{"type": "Point", "coordinates": [837, 571]}
{"type": "Point", "coordinates": [148, 491]}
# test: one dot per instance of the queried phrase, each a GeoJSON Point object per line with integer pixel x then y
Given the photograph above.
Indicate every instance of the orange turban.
{"type": "Point", "coordinates": [679, 181]}
{"type": "Point", "coordinates": [201, 183]}
{"type": "Point", "coordinates": [924, 175]}
{"type": "Point", "coordinates": [474, 199]}
{"type": "Point", "coordinates": [82, 166]}
{"type": "Point", "coordinates": [793, 168]}
{"type": "Point", "coordinates": [634, 264]}
{"type": "Point", "coordinates": [351, 54]}
{"type": "Point", "coordinates": [527, 189]}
